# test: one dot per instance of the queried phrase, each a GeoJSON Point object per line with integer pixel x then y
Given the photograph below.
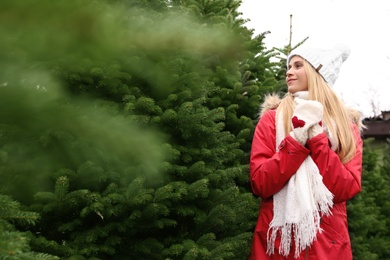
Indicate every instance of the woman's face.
{"type": "Point", "coordinates": [296, 78]}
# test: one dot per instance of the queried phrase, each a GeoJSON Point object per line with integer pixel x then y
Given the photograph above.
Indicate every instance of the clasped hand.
{"type": "Point", "coordinates": [306, 120]}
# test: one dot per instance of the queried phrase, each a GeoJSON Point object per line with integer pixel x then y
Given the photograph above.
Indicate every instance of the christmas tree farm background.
{"type": "Point", "coordinates": [126, 129]}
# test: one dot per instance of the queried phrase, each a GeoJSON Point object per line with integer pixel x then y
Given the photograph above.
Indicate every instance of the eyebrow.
{"type": "Point", "coordinates": [295, 62]}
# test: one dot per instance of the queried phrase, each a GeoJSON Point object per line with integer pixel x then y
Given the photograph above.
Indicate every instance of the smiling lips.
{"type": "Point", "coordinates": [290, 80]}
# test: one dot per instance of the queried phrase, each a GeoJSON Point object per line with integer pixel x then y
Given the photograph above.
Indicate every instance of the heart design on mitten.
{"type": "Point", "coordinates": [297, 122]}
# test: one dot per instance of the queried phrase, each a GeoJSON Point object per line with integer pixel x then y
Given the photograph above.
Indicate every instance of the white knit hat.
{"type": "Point", "coordinates": [326, 62]}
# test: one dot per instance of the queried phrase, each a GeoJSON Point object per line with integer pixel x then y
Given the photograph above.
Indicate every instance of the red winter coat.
{"type": "Point", "coordinates": [270, 171]}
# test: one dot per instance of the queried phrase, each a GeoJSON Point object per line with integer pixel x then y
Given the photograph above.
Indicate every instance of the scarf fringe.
{"type": "Point", "coordinates": [323, 197]}
{"type": "Point", "coordinates": [304, 233]}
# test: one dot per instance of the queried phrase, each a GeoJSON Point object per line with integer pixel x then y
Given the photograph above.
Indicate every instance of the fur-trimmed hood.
{"type": "Point", "coordinates": [272, 101]}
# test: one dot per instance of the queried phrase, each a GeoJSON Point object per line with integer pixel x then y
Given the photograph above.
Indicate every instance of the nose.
{"type": "Point", "coordinates": [288, 72]}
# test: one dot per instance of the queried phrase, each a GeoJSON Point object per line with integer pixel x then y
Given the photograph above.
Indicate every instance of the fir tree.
{"type": "Point", "coordinates": [104, 185]}
{"type": "Point", "coordinates": [368, 212]}
{"type": "Point", "coordinates": [14, 244]}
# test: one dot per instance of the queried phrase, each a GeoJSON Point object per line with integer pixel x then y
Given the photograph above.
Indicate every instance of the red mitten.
{"type": "Point", "coordinates": [307, 113]}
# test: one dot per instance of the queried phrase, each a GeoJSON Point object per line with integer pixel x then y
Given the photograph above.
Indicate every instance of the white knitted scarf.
{"type": "Point", "coordinates": [299, 205]}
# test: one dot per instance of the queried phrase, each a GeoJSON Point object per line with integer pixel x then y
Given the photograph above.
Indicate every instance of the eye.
{"type": "Point", "coordinates": [298, 65]}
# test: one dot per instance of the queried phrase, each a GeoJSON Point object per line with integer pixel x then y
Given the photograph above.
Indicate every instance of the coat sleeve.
{"type": "Point", "coordinates": [343, 180]}
{"type": "Point", "coordinates": [270, 170]}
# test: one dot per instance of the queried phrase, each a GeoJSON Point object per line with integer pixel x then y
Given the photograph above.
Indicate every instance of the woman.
{"type": "Point", "coordinates": [306, 162]}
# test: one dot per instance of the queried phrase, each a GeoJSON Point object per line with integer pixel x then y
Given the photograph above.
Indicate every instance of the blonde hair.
{"type": "Point", "coordinates": [335, 112]}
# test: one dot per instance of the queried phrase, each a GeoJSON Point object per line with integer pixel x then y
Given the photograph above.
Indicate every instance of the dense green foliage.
{"type": "Point", "coordinates": [129, 130]}
{"type": "Point", "coordinates": [12, 241]}
{"type": "Point", "coordinates": [126, 129]}
{"type": "Point", "coordinates": [369, 211]}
